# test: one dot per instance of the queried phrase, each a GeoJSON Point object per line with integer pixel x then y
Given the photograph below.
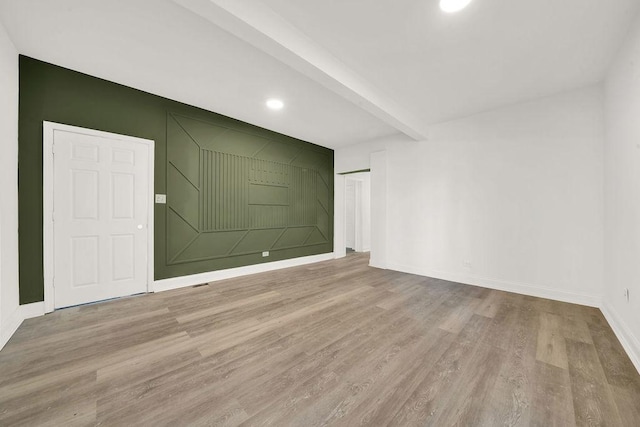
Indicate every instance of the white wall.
{"type": "Point", "coordinates": [622, 189]}
{"type": "Point", "coordinates": [509, 199]}
{"type": "Point", "coordinates": [357, 156]}
{"type": "Point", "coordinates": [379, 206]}
{"type": "Point", "coordinates": [9, 319]}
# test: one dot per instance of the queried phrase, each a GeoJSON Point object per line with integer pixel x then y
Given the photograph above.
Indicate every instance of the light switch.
{"type": "Point", "coordinates": [161, 198]}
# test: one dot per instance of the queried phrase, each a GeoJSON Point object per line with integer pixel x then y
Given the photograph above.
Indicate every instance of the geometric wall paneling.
{"type": "Point", "coordinates": [238, 143]}
{"type": "Point", "coordinates": [182, 196]}
{"type": "Point", "coordinates": [323, 225]}
{"type": "Point", "coordinates": [304, 196]}
{"type": "Point", "coordinates": [242, 193]}
{"type": "Point", "coordinates": [210, 246]}
{"type": "Point", "coordinates": [316, 237]}
{"type": "Point", "coordinates": [278, 152]}
{"type": "Point", "coordinates": [310, 158]}
{"type": "Point", "coordinates": [322, 190]}
{"type": "Point", "coordinates": [224, 192]}
{"type": "Point", "coordinates": [183, 153]}
{"type": "Point", "coordinates": [294, 236]}
{"type": "Point", "coordinates": [257, 241]}
{"type": "Point", "coordinates": [211, 137]}
{"type": "Point", "coordinates": [324, 212]}
{"type": "Point", "coordinates": [267, 216]}
{"type": "Point", "coordinates": [182, 235]}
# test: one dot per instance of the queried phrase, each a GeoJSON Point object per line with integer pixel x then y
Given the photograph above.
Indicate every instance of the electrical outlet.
{"type": "Point", "coordinates": [161, 198]}
{"type": "Point", "coordinates": [265, 253]}
{"type": "Point", "coordinates": [626, 293]}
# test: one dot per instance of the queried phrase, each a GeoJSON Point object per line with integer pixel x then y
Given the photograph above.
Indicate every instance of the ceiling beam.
{"type": "Point", "coordinates": [258, 25]}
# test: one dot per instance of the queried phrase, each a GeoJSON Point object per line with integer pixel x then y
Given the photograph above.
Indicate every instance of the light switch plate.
{"type": "Point", "coordinates": [161, 198]}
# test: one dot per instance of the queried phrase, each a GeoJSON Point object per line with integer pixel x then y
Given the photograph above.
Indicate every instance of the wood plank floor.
{"type": "Point", "coordinates": [334, 343]}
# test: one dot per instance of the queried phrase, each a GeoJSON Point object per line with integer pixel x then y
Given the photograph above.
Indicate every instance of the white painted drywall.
{"type": "Point", "coordinates": [366, 211]}
{"type": "Point", "coordinates": [9, 296]}
{"type": "Point", "coordinates": [339, 243]}
{"type": "Point", "coordinates": [379, 206]}
{"type": "Point", "coordinates": [509, 199]}
{"type": "Point", "coordinates": [357, 157]}
{"type": "Point", "coordinates": [622, 194]}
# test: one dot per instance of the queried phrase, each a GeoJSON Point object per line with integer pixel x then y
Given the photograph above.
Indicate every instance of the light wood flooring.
{"type": "Point", "coordinates": [334, 343]}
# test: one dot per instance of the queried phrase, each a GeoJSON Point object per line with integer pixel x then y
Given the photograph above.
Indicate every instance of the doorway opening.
{"type": "Point", "coordinates": [358, 212]}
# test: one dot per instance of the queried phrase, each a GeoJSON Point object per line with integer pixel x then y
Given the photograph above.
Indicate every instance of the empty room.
{"type": "Point", "coordinates": [331, 213]}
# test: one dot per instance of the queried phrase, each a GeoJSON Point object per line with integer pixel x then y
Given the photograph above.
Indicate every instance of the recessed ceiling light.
{"type": "Point", "coordinates": [275, 104]}
{"type": "Point", "coordinates": [451, 6]}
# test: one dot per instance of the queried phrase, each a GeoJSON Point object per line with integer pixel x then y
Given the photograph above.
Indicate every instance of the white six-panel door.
{"type": "Point", "coordinates": [100, 216]}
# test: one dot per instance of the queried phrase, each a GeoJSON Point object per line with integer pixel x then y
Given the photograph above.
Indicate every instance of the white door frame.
{"type": "Point", "coordinates": [47, 185]}
{"type": "Point", "coordinates": [339, 216]}
{"type": "Point", "coordinates": [357, 211]}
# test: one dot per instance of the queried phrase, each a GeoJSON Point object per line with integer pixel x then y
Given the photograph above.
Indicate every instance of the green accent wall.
{"type": "Point", "coordinates": [233, 189]}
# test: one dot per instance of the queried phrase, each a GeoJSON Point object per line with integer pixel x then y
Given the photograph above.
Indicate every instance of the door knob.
{"type": "Point", "coordinates": [139, 226]}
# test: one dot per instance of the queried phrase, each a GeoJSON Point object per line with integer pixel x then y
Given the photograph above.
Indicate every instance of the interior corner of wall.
{"type": "Point", "coordinates": [625, 334]}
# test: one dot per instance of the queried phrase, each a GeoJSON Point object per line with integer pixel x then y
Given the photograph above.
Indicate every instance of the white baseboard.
{"type": "Point", "coordinates": [375, 263]}
{"type": "Point", "coordinates": [507, 286]}
{"type": "Point", "coordinates": [10, 326]}
{"type": "Point", "coordinates": [21, 313]}
{"type": "Point", "coordinates": [624, 333]}
{"type": "Point", "coordinates": [212, 276]}
{"type": "Point", "coordinates": [32, 310]}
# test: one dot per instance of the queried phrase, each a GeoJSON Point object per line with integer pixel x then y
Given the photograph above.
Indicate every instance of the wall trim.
{"type": "Point", "coordinates": [23, 312]}
{"type": "Point", "coordinates": [624, 333]}
{"type": "Point", "coordinates": [35, 309]}
{"type": "Point", "coordinates": [339, 214]}
{"type": "Point", "coordinates": [9, 327]}
{"type": "Point", "coordinates": [212, 276]}
{"type": "Point", "coordinates": [503, 285]}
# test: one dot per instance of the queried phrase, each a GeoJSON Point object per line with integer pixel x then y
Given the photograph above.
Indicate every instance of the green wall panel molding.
{"type": "Point", "coordinates": [238, 195]}
{"type": "Point", "coordinates": [233, 189]}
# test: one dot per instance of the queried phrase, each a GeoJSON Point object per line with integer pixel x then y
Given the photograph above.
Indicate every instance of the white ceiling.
{"type": "Point", "coordinates": [495, 52]}
{"type": "Point", "coordinates": [348, 70]}
{"type": "Point", "coordinates": [160, 47]}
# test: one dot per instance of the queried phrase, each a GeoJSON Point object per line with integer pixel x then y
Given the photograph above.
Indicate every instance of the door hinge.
{"type": "Point", "coordinates": [53, 281]}
{"type": "Point", "coordinates": [53, 148]}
